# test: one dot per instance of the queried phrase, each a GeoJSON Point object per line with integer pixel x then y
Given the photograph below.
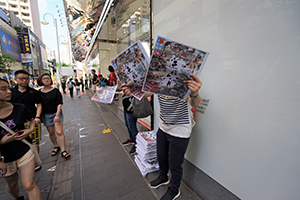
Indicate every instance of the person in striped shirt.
{"type": "Point", "coordinates": [175, 127]}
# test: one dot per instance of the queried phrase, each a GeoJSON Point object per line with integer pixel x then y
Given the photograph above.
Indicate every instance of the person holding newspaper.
{"type": "Point", "coordinates": [175, 127]}
{"type": "Point", "coordinates": [15, 154]}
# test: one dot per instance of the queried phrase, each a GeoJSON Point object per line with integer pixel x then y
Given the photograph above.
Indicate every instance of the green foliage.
{"type": "Point", "coordinates": [95, 65]}
{"type": "Point", "coordinates": [66, 65]}
{"type": "Point", "coordinates": [6, 62]}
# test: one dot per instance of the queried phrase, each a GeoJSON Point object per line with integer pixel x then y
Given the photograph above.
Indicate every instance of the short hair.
{"type": "Point", "coordinates": [93, 70]}
{"type": "Point", "coordinates": [110, 68]}
{"type": "Point", "coordinates": [21, 71]}
{"type": "Point", "coordinates": [2, 79]}
{"type": "Point", "coordinates": [39, 79]}
{"type": "Point", "coordinates": [100, 75]}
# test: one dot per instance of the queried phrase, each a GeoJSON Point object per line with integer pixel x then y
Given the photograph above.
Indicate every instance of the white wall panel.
{"type": "Point", "coordinates": [248, 138]}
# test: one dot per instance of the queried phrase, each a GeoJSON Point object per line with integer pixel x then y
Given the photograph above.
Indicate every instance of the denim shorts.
{"type": "Point", "coordinates": [48, 118]}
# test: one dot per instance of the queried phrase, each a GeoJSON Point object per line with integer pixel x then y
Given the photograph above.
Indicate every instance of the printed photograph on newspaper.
{"type": "Point", "coordinates": [105, 94]}
{"type": "Point", "coordinates": [172, 63]}
{"type": "Point", "coordinates": [131, 67]}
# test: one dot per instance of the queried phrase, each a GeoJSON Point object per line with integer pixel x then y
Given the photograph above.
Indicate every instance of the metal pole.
{"type": "Point", "coordinates": [58, 52]}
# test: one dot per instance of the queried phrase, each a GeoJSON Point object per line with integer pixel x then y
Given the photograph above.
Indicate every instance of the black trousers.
{"type": "Point", "coordinates": [170, 154]}
{"type": "Point", "coordinates": [71, 92]}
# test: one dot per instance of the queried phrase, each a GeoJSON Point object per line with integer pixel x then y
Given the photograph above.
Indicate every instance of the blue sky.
{"type": "Point", "coordinates": [48, 31]}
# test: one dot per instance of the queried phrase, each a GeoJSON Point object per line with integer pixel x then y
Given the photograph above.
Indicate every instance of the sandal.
{"type": "Point", "coordinates": [65, 155]}
{"type": "Point", "coordinates": [55, 151]}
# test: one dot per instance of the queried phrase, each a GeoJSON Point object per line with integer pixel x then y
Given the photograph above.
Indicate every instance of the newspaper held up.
{"type": "Point", "coordinates": [172, 63]}
{"type": "Point", "coordinates": [131, 66]}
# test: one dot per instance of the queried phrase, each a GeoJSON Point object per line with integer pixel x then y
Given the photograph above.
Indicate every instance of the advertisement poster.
{"type": "Point", "coordinates": [105, 94]}
{"type": "Point", "coordinates": [25, 48]}
{"type": "Point", "coordinates": [10, 45]}
{"type": "Point", "coordinates": [172, 63]}
{"type": "Point", "coordinates": [131, 66]}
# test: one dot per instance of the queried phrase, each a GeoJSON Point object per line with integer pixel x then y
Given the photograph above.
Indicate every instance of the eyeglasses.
{"type": "Point", "coordinates": [46, 78]}
{"type": "Point", "coordinates": [23, 79]}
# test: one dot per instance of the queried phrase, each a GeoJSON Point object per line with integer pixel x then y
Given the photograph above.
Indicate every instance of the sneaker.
{"type": "Point", "coordinates": [128, 142]}
{"type": "Point", "coordinates": [161, 180]}
{"type": "Point", "coordinates": [132, 151]}
{"type": "Point", "coordinates": [171, 194]}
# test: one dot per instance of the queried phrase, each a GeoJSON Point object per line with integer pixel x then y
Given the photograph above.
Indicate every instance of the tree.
{"type": "Point", "coordinates": [6, 62]}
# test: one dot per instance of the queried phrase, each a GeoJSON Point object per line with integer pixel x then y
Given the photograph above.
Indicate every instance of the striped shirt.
{"type": "Point", "coordinates": [174, 116]}
{"type": "Point", "coordinates": [173, 111]}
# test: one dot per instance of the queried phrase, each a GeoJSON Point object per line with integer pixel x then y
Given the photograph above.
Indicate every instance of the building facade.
{"type": "Point", "coordinates": [27, 11]}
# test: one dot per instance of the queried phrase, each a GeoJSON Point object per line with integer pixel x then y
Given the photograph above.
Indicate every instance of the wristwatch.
{"type": "Point", "coordinates": [2, 159]}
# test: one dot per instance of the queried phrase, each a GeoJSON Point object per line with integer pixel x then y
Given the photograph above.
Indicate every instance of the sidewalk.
{"type": "Point", "coordinates": [100, 167]}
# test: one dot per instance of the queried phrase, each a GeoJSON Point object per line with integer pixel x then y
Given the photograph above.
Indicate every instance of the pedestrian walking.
{"type": "Point", "coordinates": [86, 81]}
{"type": "Point", "coordinates": [30, 97]}
{"type": "Point", "coordinates": [16, 155]}
{"type": "Point", "coordinates": [82, 84]}
{"type": "Point", "coordinates": [95, 81]}
{"type": "Point", "coordinates": [173, 135]}
{"type": "Point", "coordinates": [63, 85]}
{"type": "Point", "coordinates": [71, 85]}
{"type": "Point", "coordinates": [77, 87]}
{"type": "Point", "coordinates": [52, 114]}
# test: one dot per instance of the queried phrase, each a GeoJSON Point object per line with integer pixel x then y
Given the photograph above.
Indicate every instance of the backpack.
{"type": "Point", "coordinates": [70, 85]}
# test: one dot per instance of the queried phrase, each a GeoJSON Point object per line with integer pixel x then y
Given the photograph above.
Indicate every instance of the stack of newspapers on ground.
{"type": "Point", "coordinates": [146, 158]}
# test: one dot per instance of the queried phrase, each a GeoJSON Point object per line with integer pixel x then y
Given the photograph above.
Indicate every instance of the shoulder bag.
{"type": "Point", "coordinates": [37, 158]}
{"type": "Point", "coordinates": [141, 108]}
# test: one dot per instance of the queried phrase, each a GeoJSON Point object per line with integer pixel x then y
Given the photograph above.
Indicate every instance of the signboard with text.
{"type": "Point", "coordinates": [25, 49]}
{"type": "Point", "coordinates": [10, 45]}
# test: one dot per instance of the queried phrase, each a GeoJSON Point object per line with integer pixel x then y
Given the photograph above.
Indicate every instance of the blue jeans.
{"type": "Point", "coordinates": [77, 92]}
{"type": "Point", "coordinates": [130, 122]}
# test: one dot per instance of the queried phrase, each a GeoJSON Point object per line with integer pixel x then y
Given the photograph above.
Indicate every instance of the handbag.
{"type": "Point", "coordinates": [141, 108]}
{"type": "Point", "coordinates": [37, 158]}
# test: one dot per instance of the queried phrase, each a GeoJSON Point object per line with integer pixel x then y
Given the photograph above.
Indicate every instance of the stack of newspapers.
{"type": "Point", "coordinates": [146, 158]}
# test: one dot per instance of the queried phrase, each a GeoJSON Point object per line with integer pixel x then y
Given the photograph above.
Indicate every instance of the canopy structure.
{"type": "Point", "coordinates": [85, 19]}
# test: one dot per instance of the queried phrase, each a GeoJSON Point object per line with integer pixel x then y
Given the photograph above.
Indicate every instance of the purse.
{"type": "Point", "coordinates": [37, 158]}
{"type": "Point", "coordinates": [141, 108]}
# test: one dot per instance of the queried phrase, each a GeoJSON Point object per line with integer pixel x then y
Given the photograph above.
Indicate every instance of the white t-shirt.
{"type": "Point", "coordinates": [175, 116]}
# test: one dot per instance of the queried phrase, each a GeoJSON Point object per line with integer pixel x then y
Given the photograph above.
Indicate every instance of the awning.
{"type": "Point", "coordinates": [85, 19]}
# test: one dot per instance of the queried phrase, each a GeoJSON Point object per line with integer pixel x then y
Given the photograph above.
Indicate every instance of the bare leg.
{"type": "Point", "coordinates": [60, 133]}
{"type": "Point", "coordinates": [51, 131]}
{"type": "Point", "coordinates": [12, 186]}
{"type": "Point", "coordinates": [28, 181]}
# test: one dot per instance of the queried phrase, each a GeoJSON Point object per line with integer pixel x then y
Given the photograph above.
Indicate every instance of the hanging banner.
{"type": "Point", "coordinates": [10, 45]}
{"type": "Point", "coordinates": [25, 49]}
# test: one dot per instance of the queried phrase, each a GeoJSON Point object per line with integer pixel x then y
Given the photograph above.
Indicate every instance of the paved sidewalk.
{"type": "Point", "coordinates": [100, 167]}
